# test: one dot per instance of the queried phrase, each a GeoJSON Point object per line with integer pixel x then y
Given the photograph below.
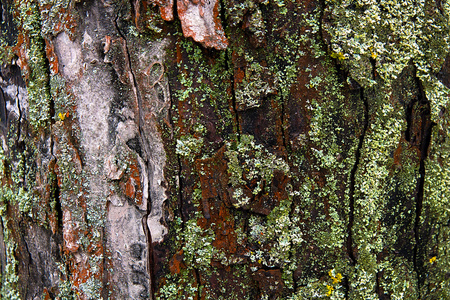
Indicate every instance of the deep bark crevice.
{"type": "Point", "coordinates": [19, 119]}
{"type": "Point", "coordinates": [180, 192]}
{"type": "Point", "coordinates": [351, 213]}
{"type": "Point", "coordinates": [424, 144]}
{"type": "Point", "coordinates": [3, 115]}
{"type": "Point", "coordinates": [230, 68]}
{"type": "Point", "coordinates": [197, 278]}
{"type": "Point", "coordinates": [28, 263]}
{"type": "Point", "coordinates": [147, 159]}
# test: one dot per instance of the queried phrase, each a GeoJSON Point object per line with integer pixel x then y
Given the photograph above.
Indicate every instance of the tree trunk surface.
{"type": "Point", "coordinates": [269, 149]}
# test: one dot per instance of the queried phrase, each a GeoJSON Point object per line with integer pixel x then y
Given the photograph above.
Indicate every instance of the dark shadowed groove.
{"type": "Point", "coordinates": [230, 68]}
{"type": "Point", "coordinates": [180, 192]}
{"type": "Point", "coordinates": [3, 115]}
{"type": "Point", "coordinates": [104, 292]}
{"type": "Point", "coordinates": [354, 170]}
{"type": "Point", "coordinates": [426, 131]}
{"type": "Point", "coordinates": [197, 278]}
{"type": "Point", "coordinates": [351, 213]}
{"type": "Point", "coordinates": [147, 232]}
{"type": "Point", "coordinates": [2, 251]}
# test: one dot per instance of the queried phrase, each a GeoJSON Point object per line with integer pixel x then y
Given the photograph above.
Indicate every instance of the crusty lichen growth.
{"type": "Point", "coordinates": [436, 213]}
{"type": "Point", "coordinates": [376, 41]}
{"type": "Point", "coordinates": [37, 71]}
{"type": "Point", "coordinates": [248, 162]}
{"type": "Point", "coordinates": [9, 278]}
{"type": "Point", "coordinates": [58, 15]}
{"type": "Point", "coordinates": [392, 33]}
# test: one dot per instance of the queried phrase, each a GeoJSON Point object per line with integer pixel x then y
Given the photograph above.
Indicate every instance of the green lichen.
{"type": "Point", "coordinates": [38, 75]}
{"type": "Point", "coordinates": [250, 91]}
{"type": "Point", "coordinates": [391, 33]}
{"type": "Point", "coordinates": [249, 161]}
{"type": "Point", "coordinates": [64, 102]}
{"type": "Point", "coordinates": [436, 214]}
{"type": "Point", "coordinates": [10, 279]}
{"type": "Point", "coordinates": [57, 15]}
{"type": "Point", "coordinates": [189, 146]}
{"type": "Point", "coordinates": [197, 244]}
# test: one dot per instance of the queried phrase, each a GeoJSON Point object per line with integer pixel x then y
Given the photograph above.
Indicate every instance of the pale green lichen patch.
{"type": "Point", "coordinates": [9, 278]}
{"type": "Point", "coordinates": [37, 72]}
{"type": "Point", "coordinates": [57, 15]}
{"type": "Point", "coordinates": [189, 146]}
{"type": "Point", "coordinates": [249, 162]}
{"type": "Point", "coordinates": [385, 188]}
{"type": "Point", "coordinates": [63, 101]}
{"type": "Point", "coordinates": [254, 86]}
{"type": "Point", "coordinates": [438, 95]}
{"type": "Point", "coordinates": [330, 287]}
{"type": "Point", "coordinates": [435, 216]}
{"type": "Point", "coordinates": [197, 249]}
{"type": "Point", "coordinates": [391, 33]}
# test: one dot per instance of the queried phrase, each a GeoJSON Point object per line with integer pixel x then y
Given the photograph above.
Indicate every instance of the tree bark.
{"type": "Point", "coordinates": [224, 149]}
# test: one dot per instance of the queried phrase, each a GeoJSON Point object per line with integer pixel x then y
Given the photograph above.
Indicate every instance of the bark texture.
{"type": "Point", "coordinates": [257, 149]}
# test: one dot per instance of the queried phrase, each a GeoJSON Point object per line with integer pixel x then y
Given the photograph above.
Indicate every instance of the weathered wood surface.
{"type": "Point", "coordinates": [224, 149]}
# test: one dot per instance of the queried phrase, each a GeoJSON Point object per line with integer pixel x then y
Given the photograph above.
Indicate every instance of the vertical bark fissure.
{"type": "Point", "coordinates": [146, 147]}
{"type": "Point", "coordinates": [105, 292]}
{"type": "Point", "coordinates": [180, 191]}
{"type": "Point", "coordinates": [28, 263]}
{"type": "Point", "coordinates": [426, 131]}
{"type": "Point", "coordinates": [19, 119]}
{"type": "Point", "coordinates": [230, 68]}
{"type": "Point", "coordinates": [2, 252]}
{"type": "Point", "coordinates": [197, 278]}
{"type": "Point", "coordinates": [3, 115]}
{"type": "Point", "coordinates": [283, 131]}
{"type": "Point", "coordinates": [351, 213]}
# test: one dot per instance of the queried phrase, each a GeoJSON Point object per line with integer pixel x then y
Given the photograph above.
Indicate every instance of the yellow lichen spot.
{"type": "Point", "coordinates": [338, 278]}
{"type": "Point", "coordinates": [63, 116]}
{"type": "Point", "coordinates": [330, 290]}
{"type": "Point", "coordinates": [432, 260]}
{"type": "Point", "coordinates": [339, 55]}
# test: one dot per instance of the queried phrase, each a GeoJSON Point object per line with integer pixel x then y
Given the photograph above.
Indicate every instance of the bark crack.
{"type": "Point", "coordinates": [426, 132]}
{"type": "Point", "coordinates": [3, 114]}
{"type": "Point", "coordinates": [230, 68]}
{"type": "Point", "coordinates": [19, 120]}
{"type": "Point", "coordinates": [351, 214]}
{"type": "Point", "coordinates": [146, 148]}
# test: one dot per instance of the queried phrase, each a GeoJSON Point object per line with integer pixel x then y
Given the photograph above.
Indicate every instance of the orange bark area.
{"type": "Point", "coordinates": [66, 20]}
{"type": "Point", "coordinates": [131, 183]}
{"type": "Point", "coordinates": [51, 56]}
{"type": "Point", "coordinates": [176, 264]}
